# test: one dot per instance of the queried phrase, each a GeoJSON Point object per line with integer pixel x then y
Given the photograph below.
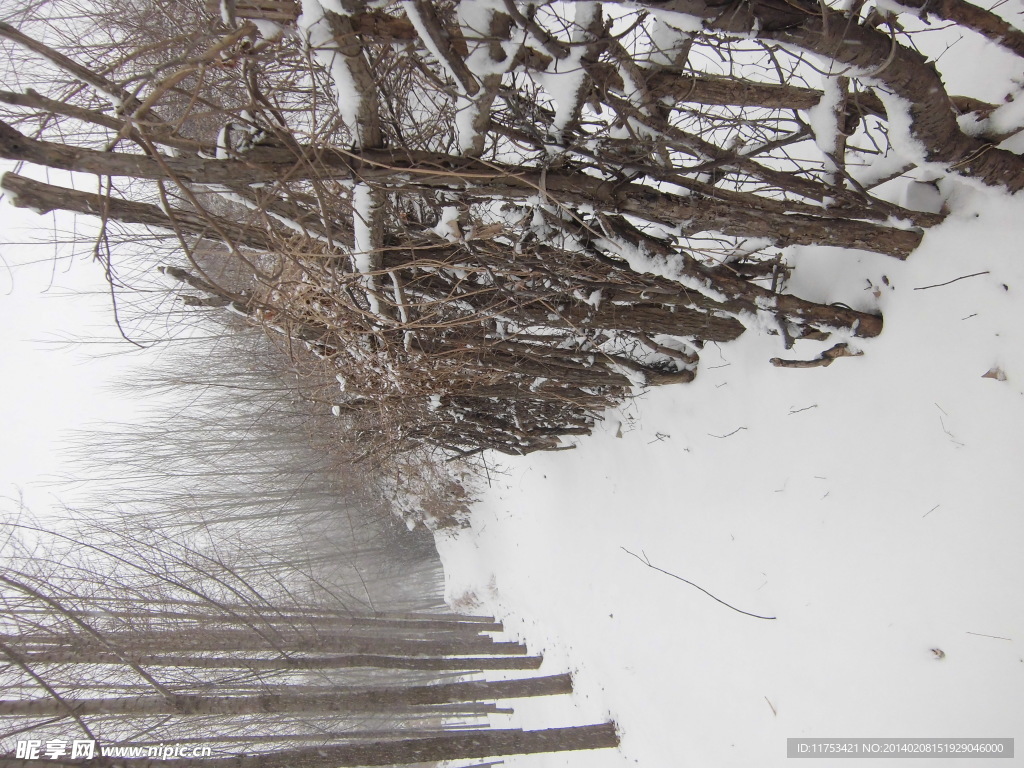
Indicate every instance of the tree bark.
{"type": "Point", "coordinates": [248, 640]}
{"type": "Point", "coordinates": [829, 33]}
{"type": "Point", "coordinates": [371, 700]}
{"type": "Point", "coordinates": [465, 744]}
{"type": "Point", "coordinates": [43, 198]}
{"type": "Point", "coordinates": [874, 56]}
{"type": "Point", "coordinates": [746, 217]}
{"type": "Point", "coordinates": [468, 663]}
{"type": "Point", "coordinates": [970, 16]}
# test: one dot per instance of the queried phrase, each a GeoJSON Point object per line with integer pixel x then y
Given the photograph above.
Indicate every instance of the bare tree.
{"type": "Point", "coordinates": [491, 220]}
{"type": "Point", "coordinates": [128, 640]}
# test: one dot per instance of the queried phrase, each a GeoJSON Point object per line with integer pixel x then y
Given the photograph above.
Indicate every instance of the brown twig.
{"type": "Point", "coordinates": [949, 282]}
{"type": "Point", "coordinates": [649, 564]}
{"type": "Point", "coordinates": [823, 360]}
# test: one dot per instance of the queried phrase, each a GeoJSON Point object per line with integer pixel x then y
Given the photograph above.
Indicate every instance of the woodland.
{"type": "Point", "coordinates": [472, 226]}
{"type": "Point", "coordinates": [424, 233]}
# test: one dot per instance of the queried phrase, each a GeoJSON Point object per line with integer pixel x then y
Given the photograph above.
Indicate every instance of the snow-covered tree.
{"type": "Point", "coordinates": [491, 218]}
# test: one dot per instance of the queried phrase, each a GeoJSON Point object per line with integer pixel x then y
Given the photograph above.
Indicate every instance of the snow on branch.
{"type": "Point", "coordinates": [332, 41]}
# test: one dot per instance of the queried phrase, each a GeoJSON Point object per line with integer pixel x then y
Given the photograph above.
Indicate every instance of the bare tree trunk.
{"type": "Point", "coordinates": [467, 663]}
{"type": "Point", "coordinates": [466, 744]}
{"type": "Point", "coordinates": [875, 56]}
{"type": "Point", "coordinates": [379, 700]}
{"type": "Point", "coordinates": [299, 643]}
{"type": "Point", "coordinates": [753, 217]}
{"type": "Point", "coordinates": [43, 198]}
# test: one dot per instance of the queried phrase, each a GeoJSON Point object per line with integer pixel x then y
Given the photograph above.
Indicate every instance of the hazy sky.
{"type": "Point", "coordinates": [49, 386]}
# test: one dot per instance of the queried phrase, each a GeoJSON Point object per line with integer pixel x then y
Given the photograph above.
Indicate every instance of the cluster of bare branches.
{"type": "Point", "coordinates": [129, 641]}
{"type": "Point", "coordinates": [491, 219]}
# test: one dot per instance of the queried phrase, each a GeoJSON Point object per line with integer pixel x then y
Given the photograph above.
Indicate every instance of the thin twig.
{"type": "Point", "coordinates": [722, 437]}
{"type": "Point", "coordinates": [801, 410]}
{"type": "Point", "coordinates": [823, 360]}
{"type": "Point", "coordinates": [950, 434]}
{"type": "Point", "coordinates": [962, 277]}
{"type": "Point", "coordinates": [648, 563]}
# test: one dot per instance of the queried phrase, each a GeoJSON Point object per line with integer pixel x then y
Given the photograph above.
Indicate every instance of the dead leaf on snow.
{"type": "Point", "coordinates": [995, 372]}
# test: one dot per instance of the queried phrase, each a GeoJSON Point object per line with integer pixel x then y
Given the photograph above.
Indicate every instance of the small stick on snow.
{"type": "Point", "coordinates": [722, 437]}
{"type": "Point", "coordinates": [948, 282]}
{"type": "Point", "coordinates": [825, 359]}
{"type": "Point", "coordinates": [649, 564]}
{"type": "Point", "coordinates": [772, 706]}
{"type": "Point", "coordinates": [948, 433]}
{"type": "Point", "coordinates": [801, 410]}
{"type": "Point", "coordinates": [994, 637]}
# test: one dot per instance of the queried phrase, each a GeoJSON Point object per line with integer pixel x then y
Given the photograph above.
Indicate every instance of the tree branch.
{"type": "Point", "coordinates": [648, 563]}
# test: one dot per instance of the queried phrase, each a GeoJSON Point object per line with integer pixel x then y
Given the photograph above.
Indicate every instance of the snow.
{"type": "Point", "coordinates": [227, 12]}
{"type": "Point", "coordinates": [222, 151]}
{"type": "Point", "coordinates": [897, 112]}
{"type": "Point", "coordinates": [364, 252]}
{"type": "Point", "coordinates": [642, 262]}
{"type": "Point", "coordinates": [684, 22]}
{"type": "Point", "coordinates": [475, 22]}
{"type": "Point", "coordinates": [362, 222]}
{"type": "Point", "coordinates": [448, 226]}
{"type": "Point", "coordinates": [822, 118]}
{"type": "Point", "coordinates": [872, 506]}
{"type": "Point", "coordinates": [313, 24]}
{"type": "Point", "coordinates": [238, 199]}
{"type": "Point", "coordinates": [923, 196]}
{"type": "Point", "coordinates": [883, 167]}
{"type": "Point", "coordinates": [413, 14]}
{"type": "Point", "coordinates": [893, 8]}
{"type": "Point", "coordinates": [667, 41]}
{"type": "Point", "coordinates": [15, 200]}
{"type": "Point", "coordinates": [1008, 117]}
{"type": "Point", "coordinates": [334, 6]}
{"type": "Point", "coordinates": [466, 112]}
{"type": "Point", "coordinates": [269, 30]}
{"type": "Point", "coordinates": [566, 78]}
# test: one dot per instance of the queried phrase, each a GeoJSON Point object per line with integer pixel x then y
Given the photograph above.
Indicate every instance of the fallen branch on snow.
{"type": "Point", "coordinates": [824, 359]}
{"type": "Point", "coordinates": [950, 282]}
{"type": "Point", "coordinates": [649, 564]}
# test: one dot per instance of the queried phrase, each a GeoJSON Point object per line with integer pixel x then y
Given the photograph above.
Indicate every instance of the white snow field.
{"type": "Point", "coordinates": [875, 507]}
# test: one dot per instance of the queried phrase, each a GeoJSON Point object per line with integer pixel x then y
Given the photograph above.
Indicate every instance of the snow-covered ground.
{"type": "Point", "coordinates": [875, 507]}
